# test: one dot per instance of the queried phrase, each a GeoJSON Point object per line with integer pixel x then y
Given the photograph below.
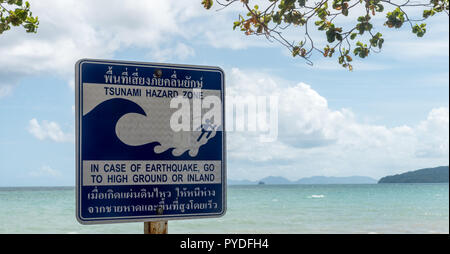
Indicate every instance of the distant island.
{"type": "Point", "coordinates": [308, 180]}
{"type": "Point", "coordinates": [425, 175]}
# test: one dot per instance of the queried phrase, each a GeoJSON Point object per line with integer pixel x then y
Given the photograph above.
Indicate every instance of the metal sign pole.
{"type": "Point", "coordinates": [156, 227]}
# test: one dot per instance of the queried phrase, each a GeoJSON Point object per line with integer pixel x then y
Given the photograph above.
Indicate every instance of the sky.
{"type": "Point", "coordinates": [389, 115]}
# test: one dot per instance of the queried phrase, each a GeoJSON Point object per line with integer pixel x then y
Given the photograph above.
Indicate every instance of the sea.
{"type": "Point", "coordinates": [264, 209]}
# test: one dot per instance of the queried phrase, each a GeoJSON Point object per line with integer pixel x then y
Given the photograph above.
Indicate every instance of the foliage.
{"type": "Point", "coordinates": [332, 17]}
{"type": "Point", "coordinates": [17, 13]}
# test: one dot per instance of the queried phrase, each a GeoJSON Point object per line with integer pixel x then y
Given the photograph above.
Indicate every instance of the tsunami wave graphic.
{"type": "Point", "coordinates": [100, 140]}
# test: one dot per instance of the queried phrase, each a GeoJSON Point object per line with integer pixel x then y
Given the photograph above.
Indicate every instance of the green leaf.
{"type": "Point", "coordinates": [345, 11]}
{"type": "Point", "coordinates": [419, 30]}
{"type": "Point", "coordinates": [236, 24]}
{"type": "Point", "coordinates": [379, 8]}
{"type": "Point", "coordinates": [395, 18]}
{"type": "Point", "coordinates": [207, 4]}
{"type": "Point", "coordinates": [331, 35]}
{"type": "Point", "coordinates": [295, 51]}
{"type": "Point", "coordinates": [380, 43]}
{"type": "Point", "coordinates": [428, 13]}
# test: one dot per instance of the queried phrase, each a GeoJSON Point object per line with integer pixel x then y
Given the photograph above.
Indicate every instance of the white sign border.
{"type": "Point", "coordinates": [78, 169]}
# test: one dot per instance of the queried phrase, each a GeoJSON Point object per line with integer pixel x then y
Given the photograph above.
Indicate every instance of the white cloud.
{"type": "Point", "coordinates": [71, 84]}
{"type": "Point", "coordinates": [402, 45]}
{"type": "Point", "coordinates": [72, 30]}
{"type": "Point", "coordinates": [181, 51]}
{"type": "Point", "coordinates": [5, 90]}
{"type": "Point", "coordinates": [434, 133]}
{"type": "Point", "coordinates": [418, 49]}
{"type": "Point", "coordinates": [168, 30]}
{"type": "Point", "coordinates": [76, 29]}
{"type": "Point", "coordinates": [314, 139]}
{"type": "Point", "coordinates": [330, 64]}
{"type": "Point", "coordinates": [48, 130]}
{"type": "Point", "coordinates": [45, 171]}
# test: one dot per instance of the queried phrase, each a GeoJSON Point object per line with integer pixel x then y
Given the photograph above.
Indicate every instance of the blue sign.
{"type": "Point", "coordinates": [150, 142]}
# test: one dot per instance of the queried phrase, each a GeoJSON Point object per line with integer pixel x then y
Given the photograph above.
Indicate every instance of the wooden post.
{"type": "Point", "coordinates": [156, 227]}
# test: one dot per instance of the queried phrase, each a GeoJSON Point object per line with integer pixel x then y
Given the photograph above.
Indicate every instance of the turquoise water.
{"type": "Point", "coordinates": [382, 208]}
